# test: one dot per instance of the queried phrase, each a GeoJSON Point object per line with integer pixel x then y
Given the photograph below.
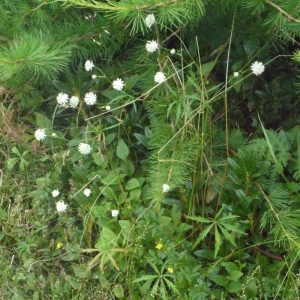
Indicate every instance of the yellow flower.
{"type": "Point", "coordinates": [159, 246]}
{"type": "Point", "coordinates": [58, 245]}
{"type": "Point", "coordinates": [170, 270]}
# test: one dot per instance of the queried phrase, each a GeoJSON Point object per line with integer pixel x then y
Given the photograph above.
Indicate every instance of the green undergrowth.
{"type": "Point", "coordinates": [169, 172]}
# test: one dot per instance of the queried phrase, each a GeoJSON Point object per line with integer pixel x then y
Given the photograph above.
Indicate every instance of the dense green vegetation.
{"type": "Point", "coordinates": [149, 149]}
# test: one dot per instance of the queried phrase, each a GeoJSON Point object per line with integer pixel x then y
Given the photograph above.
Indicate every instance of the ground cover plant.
{"type": "Point", "coordinates": [149, 149]}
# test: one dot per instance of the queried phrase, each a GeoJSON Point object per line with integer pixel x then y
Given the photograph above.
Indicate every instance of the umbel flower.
{"type": "Point", "coordinates": [257, 68]}
{"type": "Point", "coordinates": [150, 20]}
{"type": "Point", "coordinates": [74, 100]}
{"type": "Point", "coordinates": [40, 134]}
{"type": "Point", "coordinates": [90, 98]}
{"type": "Point", "coordinates": [62, 98]}
{"type": "Point", "coordinates": [89, 65]}
{"type": "Point", "coordinates": [118, 84]}
{"type": "Point", "coordinates": [159, 77]}
{"type": "Point", "coordinates": [151, 46]}
{"type": "Point", "coordinates": [84, 148]}
{"type": "Point", "coordinates": [61, 206]}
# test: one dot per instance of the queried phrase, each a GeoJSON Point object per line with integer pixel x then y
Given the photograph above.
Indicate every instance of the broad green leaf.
{"type": "Point", "coordinates": [133, 183]}
{"type": "Point", "coordinates": [220, 280]}
{"type": "Point", "coordinates": [234, 275]}
{"type": "Point", "coordinates": [234, 287]}
{"type": "Point", "coordinates": [207, 67]}
{"type": "Point", "coordinates": [122, 150]}
{"type": "Point", "coordinates": [118, 291]}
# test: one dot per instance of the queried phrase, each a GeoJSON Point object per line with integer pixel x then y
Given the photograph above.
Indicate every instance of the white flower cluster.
{"type": "Point", "coordinates": [165, 188]}
{"type": "Point", "coordinates": [55, 193]}
{"type": "Point", "coordinates": [40, 134]}
{"type": "Point", "coordinates": [159, 77]}
{"type": "Point", "coordinates": [89, 65]}
{"type": "Point", "coordinates": [87, 192]}
{"type": "Point", "coordinates": [257, 68]}
{"type": "Point", "coordinates": [61, 206]}
{"type": "Point", "coordinates": [84, 148]}
{"type": "Point", "coordinates": [150, 20]}
{"type": "Point", "coordinates": [151, 46]}
{"type": "Point", "coordinates": [63, 99]}
{"type": "Point", "coordinates": [114, 213]}
{"type": "Point", "coordinates": [118, 84]}
{"type": "Point", "coordinates": [90, 98]}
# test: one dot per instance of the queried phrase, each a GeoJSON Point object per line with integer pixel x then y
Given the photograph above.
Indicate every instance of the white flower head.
{"type": "Point", "coordinates": [151, 46]}
{"type": "Point", "coordinates": [114, 213]}
{"type": "Point", "coordinates": [165, 188]}
{"type": "Point", "coordinates": [89, 65]}
{"type": "Point", "coordinates": [62, 98]}
{"type": "Point", "coordinates": [236, 74]}
{"type": "Point", "coordinates": [74, 100]}
{"type": "Point", "coordinates": [40, 134]}
{"type": "Point", "coordinates": [257, 68]}
{"type": "Point", "coordinates": [54, 134]}
{"type": "Point", "coordinates": [87, 192]}
{"type": "Point", "coordinates": [150, 20]}
{"type": "Point", "coordinates": [90, 98]}
{"type": "Point", "coordinates": [55, 193]}
{"type": "Point", "coordinates": [172, 51]}
{"type": "Point", "coordinates": [108, 108]}
{"type": "Point", "coordinates": [94, 76]}
{"type": "Point", "coordinates": [84, 148]}
{"type": "Point", "coordinates": [61, 206]}
{"type": "Point", "coordinates": [159, 77]}
{"type": "Point", "coordinates": [118, 84]}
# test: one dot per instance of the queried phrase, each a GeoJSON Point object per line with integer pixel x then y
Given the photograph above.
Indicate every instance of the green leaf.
{"type": "Point", "coordinates": [206, 68]}
{"type": "Point", "coordinates": [234, 287]}
{"type": "Point", "coordinates": [203, 235]}
{"type": "Point", "coordinates": [220, 280]}
{"type": "Point", "coordinates": [80, 271]}
{"type": "Point", "coordinates": [42, 121]}
{"type": "Point", "coordinates": [118, 291]}
{"type": "Point", "coordinates": [234, 275]}
{"type": "Point", "coordinates": [133, 183]}
{"type": "Point", "coordinates": [122, 150]}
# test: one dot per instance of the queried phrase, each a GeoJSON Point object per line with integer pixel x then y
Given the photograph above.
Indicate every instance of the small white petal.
{"type": "Point", "coordinates": [40, 134]}
{"type": "Point", "coordinates": [84, 148]}
{"type": "Point", "coordinates": [87, 192]}
{"type": "Point", "coordinates": [107, 107]}
{"type": "Point", "coordinates": [114, 213]}
{"type": "Point", "coordinates": [151, 46]}
{"type": "Point", "coordinates": [89, 65]}
{"type": "Point", "coordinates": [90, 98]}
{"type": "Point", "coordinates": [172, 51]}
{"type": "Point", "coordinates": [159, 77]}
{"type": "Point", "coordinates": [257, 68]}
{"type": "Point", "coordinates": [236, 74]}
{"type": "Point", "coordinates": [61, 206]}
{"type": "Point", "coordinates": [118, 84]}
{"type": "Point", "coordinates": [94, 76]}
{"type": "Point", "coordinates": [55, 193]}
